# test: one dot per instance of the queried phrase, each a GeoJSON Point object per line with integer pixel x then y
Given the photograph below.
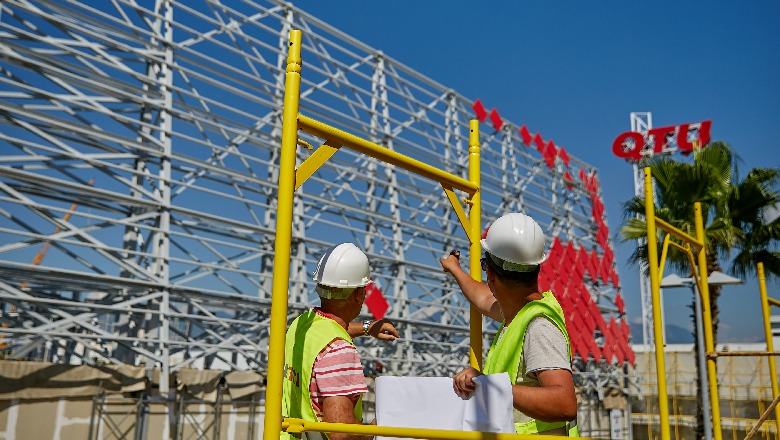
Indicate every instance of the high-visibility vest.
{"type": "Point", "coordinates": [307, 336]}
{"type": "Point", "coordinates": [506, 353]}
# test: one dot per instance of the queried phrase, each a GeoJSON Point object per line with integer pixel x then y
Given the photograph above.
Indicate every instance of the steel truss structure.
{"type": "Point", "coordinates": [140, 144]}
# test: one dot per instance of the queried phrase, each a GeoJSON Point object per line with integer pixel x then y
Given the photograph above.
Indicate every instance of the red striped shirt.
{"type": "Point", "coordinates": [336, 372]}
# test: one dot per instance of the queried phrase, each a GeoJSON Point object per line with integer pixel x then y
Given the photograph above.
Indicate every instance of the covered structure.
{"type": "Point", "coordinates": [141, 146]}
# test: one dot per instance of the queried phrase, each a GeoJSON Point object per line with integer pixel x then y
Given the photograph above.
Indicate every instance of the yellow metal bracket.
{"type": "Point", "coordinates": [459, 211]}
{"type": "Point", "coordinates": [314, 162]}
{"type": "Point", "coordinates": [305, 144]}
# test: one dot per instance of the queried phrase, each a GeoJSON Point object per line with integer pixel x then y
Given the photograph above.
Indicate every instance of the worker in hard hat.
{"type": "Point", "coordinates": [323, 375]}
{"type": "Point", "coordinates": [532, 344]}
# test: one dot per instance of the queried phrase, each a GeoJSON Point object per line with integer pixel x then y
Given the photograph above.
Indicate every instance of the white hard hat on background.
{"type": "Point", "coordinates": [340, 270]}
{"type": "Point", "coordinates": [517, 240]}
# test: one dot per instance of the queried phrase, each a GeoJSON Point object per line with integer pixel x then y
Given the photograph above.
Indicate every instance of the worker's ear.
{"type": "Point", "coordinates": [491, 276]}
{"type": "Point", "coordinates": [360, 294]}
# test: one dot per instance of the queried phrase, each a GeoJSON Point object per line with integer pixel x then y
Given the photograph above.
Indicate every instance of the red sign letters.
{"type": "Point", "coordinates": [631, 144]}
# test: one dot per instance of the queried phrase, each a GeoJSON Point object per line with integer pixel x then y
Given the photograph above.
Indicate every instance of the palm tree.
{"type": "Point", "coordinates": [733, 211]}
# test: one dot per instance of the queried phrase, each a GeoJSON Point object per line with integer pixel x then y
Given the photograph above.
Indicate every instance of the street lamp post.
{"type": "Point", "coordinates": [715, 278]}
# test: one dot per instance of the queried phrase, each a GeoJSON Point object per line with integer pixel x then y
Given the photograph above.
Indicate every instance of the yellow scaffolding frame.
{"type": "Point", "coordinates": [700, 277]}
{"type": "Point", "coordinates": [290, 179]}
{"type": "Point", "coordinates": [766, 303]}
{"type": "Point", "coordinates": [656, 272]}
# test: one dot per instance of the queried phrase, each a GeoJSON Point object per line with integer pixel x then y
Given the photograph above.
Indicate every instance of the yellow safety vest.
{"type": "Point", "coordinates": [506, 354]}
{"type": "Point", "coordinates": [307, 336]}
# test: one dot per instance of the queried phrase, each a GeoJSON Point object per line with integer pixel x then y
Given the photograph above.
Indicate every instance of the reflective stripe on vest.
{"type": "Point", "coordinates": [307, 336]}
{"type": "Point", "coordinates": [506, 352]}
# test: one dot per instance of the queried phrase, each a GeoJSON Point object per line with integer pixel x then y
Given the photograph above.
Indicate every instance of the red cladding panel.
{"type": "Point", "coordinates": [570, 254]}
{"type": "Point", "coordinates": [479, 110]}
{"type": "Point", "coordinates": [579, 269]}
{"type": "Point", "coordinates": [376, 302]}
{"type": "Point", "coordinates": [619, 303]}
{"type": "Point", "coordinates": [594, 348]}
{"type": "Point", "coordinates": [598, 208]}
{"type": "Point", "coordinates": [574, 326]}
{"type": "Point", "coordinates": [526, 135]}
{"type": "Point", "coordinates": [495, 118]}
{"type": "Point", "coordinates": [558, 286]}
{"type": "Point", "coordinates": [594, 183]}
{"type": "Point", "coordinates": [609, 255]}
{"type": "Point", "coordinates": [625, 328]}
{"type": "Point", "coordinates": [564, 156]}
{"type": "Point", "coordinates": [606, 351]}
{"type": "Point", "coordinates": [604, 272]}
{"type": "Point", "coordinates": [614, 278]}
{"type": "Point", "coordinates": [549, 160]}
{"type": "Point", "coordinates": [587, 317]}
{"type": "Point", "coordinates": [566, 304]}
{"type": "Point", "coordinates": [539, 141]}
{"type": "Point", "coordinates": [593, 264]}
{"type": "Point", "coordinates": [630, 356]}
{"type": "Point", "coordinates": [556, 251]}
{"type": "Point", "coordinates": [544, 283]}
{"type": "Point", "coordinates": [569, 180]}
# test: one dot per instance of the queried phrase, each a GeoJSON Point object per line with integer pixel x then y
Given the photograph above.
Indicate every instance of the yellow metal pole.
{"type": "Point", "coordinates": [704, 289]}
{"type": "Point", "coordinates": [299, 426]}
{"type": "Point", "coordinates": [769, 343]}
{"type": "Point", "coordinates": [475, 249]}
{"type": "Point", "coordinates": [655, 286]}
{"type": "Point", "coordinates": [278, 327]}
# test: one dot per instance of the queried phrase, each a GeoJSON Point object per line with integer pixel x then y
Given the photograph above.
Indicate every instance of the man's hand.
{"type": "Point", "coordinates": [463, 382]}
{"type": "Point", "coordinates": [451, 261]}
{"type": "Point", "coordinates": [384, 330]}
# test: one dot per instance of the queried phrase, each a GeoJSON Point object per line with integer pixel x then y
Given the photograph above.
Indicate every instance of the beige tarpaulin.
{"type": "Point", "coordinates": [201, 384]}
{"type": "Point", "coordinates": [42, 380]}
{"type": "Point", "coordinates": [243, 383]}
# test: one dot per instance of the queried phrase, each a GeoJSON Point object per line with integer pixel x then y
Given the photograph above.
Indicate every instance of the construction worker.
{"type": "Point", "coordinates": [323, 375]}
{"type": "Point", "coordinates": [532, 344]}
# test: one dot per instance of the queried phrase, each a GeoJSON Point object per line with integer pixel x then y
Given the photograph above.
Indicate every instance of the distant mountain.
{"type": "Point", "coordinates": [674, 334]}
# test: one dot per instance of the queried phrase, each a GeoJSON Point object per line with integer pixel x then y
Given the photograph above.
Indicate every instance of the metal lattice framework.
{"type": "Point", "coordinates": [140, 145]}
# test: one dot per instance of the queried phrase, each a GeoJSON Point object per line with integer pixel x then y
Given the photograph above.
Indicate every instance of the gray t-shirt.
{"type": "Point", "coordinates": [544, 348]}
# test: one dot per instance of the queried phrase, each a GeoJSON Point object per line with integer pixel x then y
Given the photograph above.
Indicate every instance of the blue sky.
{"type": "Point", "coordinates": [574, 71]}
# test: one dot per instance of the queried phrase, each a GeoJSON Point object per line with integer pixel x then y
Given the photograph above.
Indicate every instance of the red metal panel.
{"type": "Point", "coordinates": [625, 328]}
{"type": "Point", "coordinates": [526, 135]}
{"type": "Point", "coordinates": [376, 302]}
{"type": "Point", "coordinates": [539, 141]}
{"type": "Point", "coordinates": [565, 158]}
{"type": "Point", "coordinates": [479, 109]}
{"type": "Point", "coordinates": [550, 153]}
{"type": "Point", "coordinates": [593, 265]}
{"type": "Point", "coordinates": [569, 180]}
{"type": "Point", "coordinates": [614, 278]}
{"type": "Point", "coordinates": [606, 351]}
{"type": "Point", "coordinates": [576, 337]}
{"type": "Point", "coordinates": [495, 118]}
{"type": "Point", "coordinates": [619, 303]}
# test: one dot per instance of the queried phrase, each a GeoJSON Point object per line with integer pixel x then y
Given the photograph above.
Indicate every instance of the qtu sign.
{"type": "Point", "coordinates": [683, 138]}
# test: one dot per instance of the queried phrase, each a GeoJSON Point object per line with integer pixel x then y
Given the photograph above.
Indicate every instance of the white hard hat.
{"type": "Point", "coordinates": [517, 241]}
{"type": "Point", "coordinates": [340, 270]}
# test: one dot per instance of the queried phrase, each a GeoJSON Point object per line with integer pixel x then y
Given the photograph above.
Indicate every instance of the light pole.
{"type": "Point", "coordinates": [715, 278]}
